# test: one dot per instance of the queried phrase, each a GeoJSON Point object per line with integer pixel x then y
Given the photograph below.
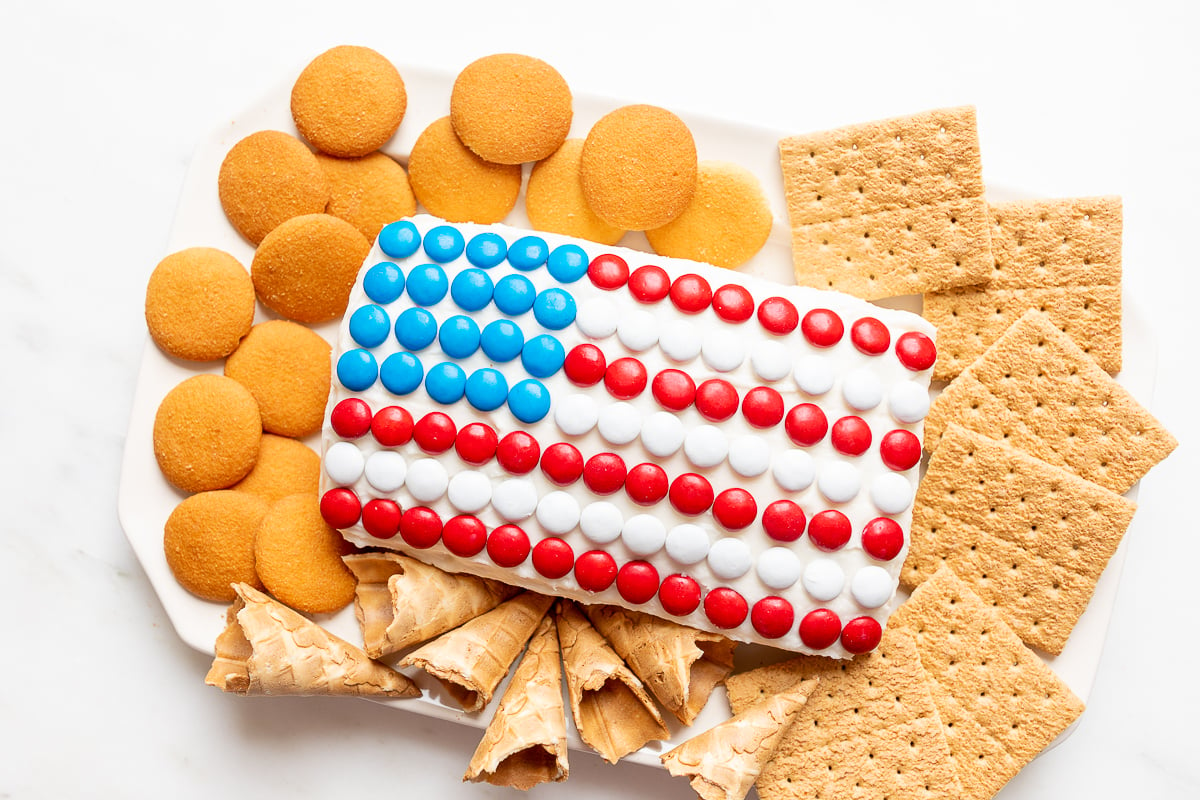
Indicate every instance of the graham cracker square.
{"type": "Point", "coordinates": [1000, 705]}
{"type": "Point", "coordinates": [1038, 391]}
{"type": "Point", "coordinates": [1062, 257]}
{"type": "Point", "coordinates": [1029, 538]}
{"type": "Point", "coordinates": [889, 208]}
{"type": "Point", "coordinates": [870, 728]}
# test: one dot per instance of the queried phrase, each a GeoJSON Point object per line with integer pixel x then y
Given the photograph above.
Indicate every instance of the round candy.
{"type": "Point", "coordinates": [416, 329]}
{"type": "Point", "coordinates": [501, 341]}
{"type": "Point", "coordinates": [814, 375]}
{"type": "Point", "coordinates": [820, 628]}
{"type": "Point", "coordinates": [900, 450]}
{"type": "Point", "coordinates": [576, 414]}
{"type": "Point", "coordinates": [794, 470]}
{"type": "Point", "coordinates": [604, 473]}
{"type": "Point", "coordinates": [384, 283]}
{"type": "Point", "coordinates": [381, 518]}
{"type": "Point", "coordinates": [344, 463]}
{"type": "Point", "coordinates": [486, 250]}
{"type": "Point", "coordinates": [585, 365]}
{"type": "Point", "coordinates": [554, 309]}
{"type": "Point", "coordinates": [370, 326]}
{"type": "Point", "coordinates": [891, 493]}
{"type": "Point", "coordinates": [340, 507]}
{"type": "Point", "coordinates": [562, 463]}
{"type": "Point", "coordinates": [446, 382]}
{"type": "Point", "coordinates": [691, 494]}
{"type": "Point", "coordinates": [420, 527]}
{"type": "Point", "coordinates": [471, 289]}
{"type": "Point", "coordinates": [435, 432]}
{"type": "Point", "coordinates": [619, 423]}
{"type": "Point", "coordinates": [529, 401]}
{"type": "Point", "coordinates": [350, 418]}
{"type": "Point", "coordinates": [486, 389]}
{"type": "Point", "coordinates": [673, 389]}
{"type": "Point", "coordinates": [735, 509]}
{"type": "Point", "coordinates": [716, 400]}
{"type": "Point", "coordinates": [663, 434]}
{"type": "Point", "coordinates": [762, 407]}
{"type": "Point", "coordinates": [823, 579]}
{"type": "Point", "coordinates": [518, 452]}
{"type": "Point", "coordinates": [861, 635]}
{"type": "Point", "coordinates": [771, 360]}
{"type": "Point", "coordinates": [625, 378]}
{"type": "Point", "coordinates": [528, 252]}
{"type": "Point", "coordinates": [567, 263]}
{"type": "Point", "coordinates": [649, 284]}
{"type": "Point", "coordinates": [608, 271]}
{"type": "Point", "coordinates": [725, 608]}
{"type": "Point", "coordinates": [385, 470]}
{"type": "Point", "coordinates": [691, 294]}
{"type": "Point", "coordinates": [638, 330]}
{"type": "Point", "coordinates": [401, 373]}
{"type": "Point", "coordinates": [772, 617]}
{"type": "Point", "coordinates": [399, 239]}
{"type": "Point", "coordinates": [729, 558]}
{"type": "Point", "coordinates": [862, 389]}
{"type": "Point", "coordinates": [850, 436]}
{"type": "Point", "coordinates": [733, 303]}
{"type": "Point", "coordinates": [916, 351]}
{"type": "Point", "coordinates": [514, 295]}
{"type": "Point", "coordinates": [806, 424]}
{"type": "Point", "coordinates": [597, 317]}
{"type": "Point", "coordinates": [723, 352]}
{"type": "Point", "coordinates": [679, 595]}
{"type": "Point", "coordinates": [553, 558]}
{"type": "Point", "coordinates": [392, 426]}
{"type": "Point", "coordinates": [515, 499]}
{"type": "Point", "coordinates": [637, 582]}
{"type": "Point", "coordinates": [778, 315]}
{"type": "Point", "coordinates": [870, 336]}
{"type": "Point", "coordinates": [749, 455]}
{"type": "Point", "coordinates": [839, 481]}
{"type": "Point", "coordinates": [883, 538]}
{"type": "Point", "coordinates": [908, 402]}
{"type": "Point", "coordinates": [427, 284]}
{"type": "Point", "coordinates": [357, 370]}
{"type": "Point", "coordinates": [542, 356]}
{"type": "Point", "coordinates": [595, 571]}
{"type": "Point", "coordinates": [644, 534]}
{"type": "Point", "coordinates": [822, 327]}
{"type": "Point", "coordinates": [558, 512]}
{"type": "Point", "coordinates": [646, 484]}
{"type": "Point", "coordinates": [444, 243]}
{"type": "Point", "coordinates": [680, 340]}
{"type": "Point", "coordinates": [476, 443]}
{"type": "Point", "coordinates": [426, 480]}
{"type": "Point", "coordinates": [459, 336]}
{"type": "Point", "coordinates": [464, 535]}
{"type": "Point", "coordinates": [601, 522]}
{"type": "Point", "coordinates": [872, 587]}
{"type": "Point", "coordinates": [687, 543]}
{"type": "Point", "coordinates": [705, 446]}
{"type": "Point", "coordinates": [829, 530]}
{"type": "Point", "coordinates": [784, 521]}
{"type": "Point", "coordinates": [508, 546]}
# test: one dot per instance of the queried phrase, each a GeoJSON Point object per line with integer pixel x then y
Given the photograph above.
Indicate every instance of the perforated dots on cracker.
{"type": "Point", "coordinates": [208, 541]}
{"type": "Point", "coordinates": [299, 558]}
{"type": "Point", "coordinates": [286, 367]}
{"type": "Point", "coordinates": [457, 185]}
{"type": "Point", "coordinates": [368, 192]}
{"type": "Point", "coordinates": [554, 200]}
{"type": "Point", "coordinates": [199, 304]}
{"type": "Point", "coordinates": [268, 178]}
{"type": "Point", "coordinates": [348, 101]}
{"type": "Point", "coordinates": [207, 432]}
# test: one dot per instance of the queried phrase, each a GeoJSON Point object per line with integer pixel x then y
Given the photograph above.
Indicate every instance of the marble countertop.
{"type": "Point", "coordinates": [103, 105]}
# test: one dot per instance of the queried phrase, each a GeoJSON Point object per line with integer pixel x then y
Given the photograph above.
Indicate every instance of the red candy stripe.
{"type": "Point", "coordinates": [916, 351]}
{"type": "Point", "coordinates": [464, 535]}
{"type": "Point", "coordinates": [806, 424]}
{"type": "Point", "coordinates": [604, 473]}
{"type": "Point", "coordinates": [822, 327]}
{"type": "Point", "coordinates": [851, 436]}
{"type": "Point", "coordinates": [595, 571]}
{"type": "Point", "coordinates": [673, 389]}
{"type": "Point", "coordinates": [820, 628]}
{"type": "Point", "coordinates": [861, 635]}
{"type": "Point", "coordinates": [900, 450]}
{"type": "Point", "coordinates": [392, 426]}
{"type": "Point", "coordinates": [518, 452]}
{"type": "Point", "coordinates": [763, 407]}
{"type": "Point", "coordinates": [351, 418]}
{"type": "Point", "coordinates": [725, 608]}
{"type": "Point", "coordinates": [716, 400]}
{"type": "Point", "coordinates": [778, 315]}
{"type": "Point", "coordinates": [735, 509]}
{"type": "Point", "coordinates": [476, 443]}
{"type": "Point", "coordinates": [733, 303]}
{"type": "Point", "coordinates": [381, 518]}
{"type": "Point", "coordinates": [340, 508]}
{"type": "Point", "coordinates": [679, 595]}
{"type": "Point", "coordinates": [646, 484]}
{"type": "Point", "coordinates": [691, 294]}
{"type": "Point", "coordinates": [553, 558]}
{"type": "Point", "coordinates": [637, 582]}
{"type": "Point", "coordinates": [883, 538]}
{"type": "Point", "coordinates": [508, 546]}
{"type": "Point", "coordinates": [829, 530]}
{"type": "Point", "coordinates": [585, 365]}
{"type": "Point", "coordinates": [434, 433]}
{"type": "Point", "coordinates": [608, 271]}
{"type": "Point", "coordinates": [420, 527]}
{"type": "Point", "coordinates": [772, 617]}
{"type": "Point", "coordinates": [691, 494]}
{"type": "Point", "coordinates": [625, 378]}
{"type": "Point", "coordinates": [870, 336]}
{"type": "Point", "coordinates": [649, 284]}
{"type": "Point", "coordinates": [562, 463]}
{"type": "Point", "coordinates": [784, 521]}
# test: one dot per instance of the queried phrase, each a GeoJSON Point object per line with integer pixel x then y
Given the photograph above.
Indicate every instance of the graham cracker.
{"type": "Point", "coordinates": [890, 207]}
{"type": "Point", "coordinates": [999, 704]}
{"type": "Point", "coordinates": [1062, 257]}
{"type": "Point", "coordinates": [1038, 391]}
{"type": "Point", "coordinates": [869, 729]}
{"type": "Point", "coordinates": [1029, 538]}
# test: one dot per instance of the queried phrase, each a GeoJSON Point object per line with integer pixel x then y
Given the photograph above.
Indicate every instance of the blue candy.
{"type": "Point", "coordinates": [401, 373]}
{"type": "Point", "coordinates": [543, 356]}
{"type": "Point", "coordinates": [444, 243]}
{"type": "Point", "coordinates": [486, 389]}
{"type": "Point", "coordinates": [370, 326]}
{"type": "Point", "coordinates": [567, 263]}
{"type": "Point", "coordinates": [553, 309]}
{"type": "Point", "coordinates": [459, 336]}
{"type": "Point", "coordinates": [502, 340]}
{"type": "Point", "coordinates": [446, 383]}
{"type": "Point", "coordinates": [514, 295]}
{"type": "Point", "coordinates": [427, 285]}
{"type": "Point", "coordinates": [384, 282]}
{"type": "Point", "coordinates": [416, 329]}
{"type": "Point", "coordinates": [528, 252]}
{"type": "Point", "coordinates": [472, 289]}
{"type": "Point", "coordinates": [529, 401]}
{"type": "Point", "coordinates": [357, 370]}
{"type": "Point", "coordinates": [399, 239]}
{"type": "Point", "coordinates": [486, 250]}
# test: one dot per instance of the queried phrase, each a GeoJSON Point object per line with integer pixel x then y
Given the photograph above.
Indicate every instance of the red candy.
{"type": "Point", "coordinates": [553, 558]}
{"type": "Point", "coordinates": [464, 535]}
{"type": "Point", "coordinates": [381, 518]}
{"type": "Point", "coordinates": [870, 336]}
{"type": "Point", "coordinates": [351, 418]}
{"type": "Point", "coordinates": [725, 608]}
{"type": "Point", "coordinates": [562, 463]}
{"type": "Point", "coordinates": [679, 595]}
{"type": "Point", "coordinates": [340, 508]}
{"type": "Point", "coordinates": [763, 407]}
{"type": "Point", "coordinates": [604, 473]}
{"type": "Point", "coordinates": [820, 628]}
{"type": "Point", "coordinates": [822, 328]}
{"type": "Point", "coordinates": [851, 436]}
{"type": "Point", "coordinates": [646, 484]}
{"type": "Point", "coordinates": [691, 494]}
{"type": "Point", "coordinates": [806, 424]}
{"type": "Point", "coordinates": [392, 426]}
{"type": "Point", "coordinates": [861, 635]}
{"type": "Point", "coordinates": [508, 546]}
{"type": "Point", "coordinates": [829, 530]}
{"type": "Point", "coordinates": [772, 617]}
{"type": "Point", "coordinates": [778, 315]}
{"type": "Point", "coordinates": [735, 509]}
{"type": "Point", "coordinates": [625, 378]}
{"type": "Point", "coordinates": [691, 294]}
{"type": "Point", "coordinates": [673, 389]}
{"type": "Point", "coordinates": [649, 284]}
{"type": "Point", "coordinates": [733, 303]}
{"type": "Point", "coordinates": [595, 571]}
{"type": "Point", "coordinates": [916, 351]}
{"type": "Point", "coordinates": [638, 582]}
{"type": "Point", "coordinates": [420, 527]}
{"type": "Point", "coordinates": [900, 450]}
{"type": "Point", "coordinates": [883, 538]}
{"type": "Point", "coordinates": [434, 432]}
{"type": "Point", "coordinates": [608, 271]}
{"type": "Point", "coordinates": [585, 365]}
{"type": "Point", "coordinates": [784, 521]}
{"type": "Point", "coordinates": [518, 452]}
{"type": "Point", "coordinates": [476, 443]}
{"type": "Point", "coordinates": [716, 400]}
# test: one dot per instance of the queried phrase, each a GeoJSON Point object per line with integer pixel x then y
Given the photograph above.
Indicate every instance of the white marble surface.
{"type": "Point", "coordinates": [101, 107]}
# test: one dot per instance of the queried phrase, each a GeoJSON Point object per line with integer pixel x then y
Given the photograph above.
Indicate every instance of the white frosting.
{"type": "Point", "coordinates": [638, 330]}
{"type": "Point", "coordinates": [871, 587]}
{"type": "Point", "coordinates": [814, 375]}
{"type": "Point", "coordinates": [824, 579]}
{"type": "Point", "coordinates": [779, 567]}
{"type": "Point", "coordinates": [891, 493]}
{"type": "Point", "coordinates": [597, 317]}
{"type": "Point", "coordinates": [794, 470]}
{"type": "Point", "coordinates": [576, 414]}
{"type": "Point", "coordinates": [644, 534]}
{"type": "Point", "coordinates": [344, 463]}
{"type": "Point", "coordinates": [729, 558]}
{"type": "Point", "coordinates": [619, 423]}
{"type": "Point", "coordinates": [558, 512]}
{"type": "Point", "coordinates": [862, 389]}
{"type": "Point", "coordinates": [705, 446]}
{"type": "Point", "coordinates": [515, 499]}
{"type": "Point", "coordinates": [771, 360]}
{"type": "Point", "coordinates": [662, 434]}
{"type": "Point", "coordinates": [601, 522]}
{"type": "Point", "coordinates": [469, 491]}
{"type": "Point", "coordinates": [722, 352]}
{"type": "Point", "coordinates": [385, 470]}
{"type": "Point", "coordinates": [839, 481]}
{"type": "Point", "coordinates": [749, 455]}
{"type": "Point", "coordinates": [426, 480]}
{"type": "Point", "coordinates": [680, 340]}
{"type": "Point", "coordinates": [687, 543]}
{"type": "Point", "coordinates": [908, 402]}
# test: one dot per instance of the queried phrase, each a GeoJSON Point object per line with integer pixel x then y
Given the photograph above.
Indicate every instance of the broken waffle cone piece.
{"type": "Point", "coordinates": [725, 761]}
{"type": "Point", "coordinates": [613, 712]}
{"type": "Point", "coordinates": [526, 742]}
{"type": "Point", "coordinates": [400, 601]}
{"type": "Point", "coordinates": [269, 649]}
{"type": "Point", "coordinates": [471, 660]}
{"type": "Point", "coordinates": [679, 665]}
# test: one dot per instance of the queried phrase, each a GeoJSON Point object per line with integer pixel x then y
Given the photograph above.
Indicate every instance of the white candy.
{"type": "Point", "coordinates": [662, 434]}
{"type": "Point", "coordinates": [469, 491]}
{"type": "Point", "coordinates": [426, 480]}
{"type": "Point", "coordinates": [558, 512]}
{"type": "Point", "coordinates": [385, 470]}
{"type": "Point", "coordinates": [823, 579]}
{"type": "Point", "coordinates": [872, 587]}
{"type": "Point", "coordinates": [771, 360]}
{"type": "Point", "coordinates": [597, 317]}
{"type": "Point", "coordinates": [862, 389]}
{"type": "Point", "coordinates": [794, 470]}
{"type": "Point", "coordinates": [723, 351]}
{"type": "Point", "coordinates": [619, 423]}
{"type": "Point", "coordinates": [908, 402]}
{"type": "Point", "coordinates": [576, 414]}
{"type": "Point", "coordinates": [680, 340]}
{"type": "Point", "coordinates": [643, 534]}
{"type": "Point", "coordinates": [778, 567]}
{"type": "Point", "coordinates": [687, 543]}
{"type": "Point", "coordinates": [515, 499]}
{"type": "Point", "coordinates": [601, 522]}
{"type": "Point", "coordinates": [705, 446]}
{"type": "Point", "coordinates": [638, 330]}
{"type": "Point", "coordinates": [891, 493]}
{"type": "Point", "coordinates": [839, 481]}
{"type": "Point", "coordinates": [749, 455]}
{"type": "Point", "coordinates": [814, 375]}
{"type": "Point", "coordinates": [729, 558]}
{"type": "Point", "coordinates": [344, 463]}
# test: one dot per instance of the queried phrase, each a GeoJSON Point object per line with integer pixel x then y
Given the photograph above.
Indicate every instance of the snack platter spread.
{"type": "Point", "coordinates": [146, 499]}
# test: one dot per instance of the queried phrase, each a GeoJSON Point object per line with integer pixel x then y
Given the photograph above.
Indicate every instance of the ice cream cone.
{"type": "Point", "coordinates": [526, 742]}
{"type": "Point", "coordinates": [269, 649]}
{"type": "Point", "coordinates": [471, 660]}
{"type": "Point", "coordinates": [613, 713]}
{"type": "Point", "coordinates": [400, 601]}
{"type": "Point", "coordinates": [679, 665]}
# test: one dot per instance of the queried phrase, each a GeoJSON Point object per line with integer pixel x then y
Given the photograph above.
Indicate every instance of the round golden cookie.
{"type": "Point", "coordinates": [207, 433]}
{"type": "Point", "coordinates": [299, 557]}
{"type": "Point", "coordinates": [348, 101]}
{"type": "Point", "coordinates": [554, 198]}
{"type": "Point", "coordinates": [457, 185]}
{"type": "Point", "coordinates": [368, 192]}
{"type": "Point", "coordinates": [510, 108]}
{"type": "Point", "coordinates": [727, 222]}
{"type": "Point", "coordinates": [209, 542]}
{"type": "Point", "coordinates": [199, 304]}
{"type": "Point", "coordinates": [638, 167]}
{"type": "Point", "coordinates": [305, 268]}
{"type": "Point", "coordinates": [285, 466]}
{"type": "Point", "coordinates": [267, 178]}
{"type": "Point", "coordinates": [286, 367]}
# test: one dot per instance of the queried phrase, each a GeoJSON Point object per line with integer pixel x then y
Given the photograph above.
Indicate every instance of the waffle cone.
{"type": "Point", "coordinates": [526, 742]}
{"type": "Point", "coordinates": [471, 660]}
{"type": "Point", "coordinates": [400, 601]}
{"type": "Point", "coordinates": [679, 665]}
{"type": "Point", "coordinates": [269, 649]}
{"type": "Point", "coordinates": [613, 713]}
